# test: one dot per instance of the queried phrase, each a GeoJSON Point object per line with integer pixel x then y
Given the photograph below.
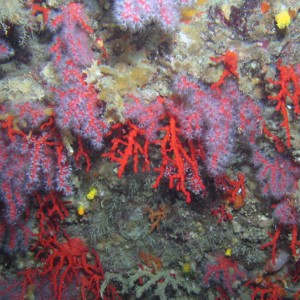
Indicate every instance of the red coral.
{"type": "Point", "coordinates": [222, 214]}
{"type": "Point", "coordinates": [52, 210]}
{"type": "Point", "coordinates": [279, 145]}
{"type": "Point", "coordinates": [81, 152]}
{"type": "Point", "coordinates": [35, 9]}
{"type": "Point", "coordinates": [278, 176]}
{"type": "Point", "coordinates": [66, 262]}
{"type": "Point", "coordinates": [224, 272]}
{"type": "Point", "coordinates": [230, 62]}
{"type": "Point", "coordinates": [194, 130]}
{"type": "Point", "coordinates": [12, 129]}
{"type": "Point", "coordinates": [29, 163]}
{"type": "Point", "coordinates": [234, 190]}
{"type": "Point", "coordinates": [179, 162]}
{"type": "Point", "coordinates": [267, 289]}
{"type": "Point", "coordinates": [273, 243]}
{"type": "Point", "coordinates": [128, 145]}
{"type": "Point", "coordinates": [286, 213]}
{"type": "Point", "coordinates": [135, 14]}
{"type": "Point", "coordinates": [287, 78]}
{"type": "Point", "coordinates": [78, 108]}
{"type": "Point", "coordinates": [179, 165]}
{"type": "Point", "coordinates": [72, 41]}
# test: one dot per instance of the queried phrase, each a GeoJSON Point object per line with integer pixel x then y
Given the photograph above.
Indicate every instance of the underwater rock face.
{"type": "Point", "coordinates": [149, 149]}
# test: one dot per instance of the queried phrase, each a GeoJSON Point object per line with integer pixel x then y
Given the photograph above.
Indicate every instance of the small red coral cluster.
{"type": "Point", "coordinates": [64, 262]}
{"type": "Point", "coordinates": [224, 271]}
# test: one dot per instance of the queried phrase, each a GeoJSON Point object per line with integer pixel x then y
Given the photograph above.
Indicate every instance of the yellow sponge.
{"type": "Point", "coordinates": [80, 210]}
{"type": "Point", "coordinates": [283, 19]}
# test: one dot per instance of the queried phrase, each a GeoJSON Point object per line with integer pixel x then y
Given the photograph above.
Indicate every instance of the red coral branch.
{"type": "Point", "coordinates": [11, 127]}
{"type": "Point", "coordinates": [267, 290]}
{"type": "Point", "coordinates": [40, 9]}
{"type": "Point", "coordinates": [230, 62]}
{"type": "Point", "coordinates": [273, 242]}
{"type": "Point", "coordinates": [279, 145]}
{"type": "Point", "coordinates": [287, 78]}
{"type": "Point", "coordinates": [294, 242]}
{"type": "Point", "coordinates": [81, 152]}
{"type": "Point", "coordinates": [224, 272]}
{"type": "Point", "coordinates": [234, 190]}
{"type": "Point", "coordinates": [222, 214]}
{"type": "Point", "coordinates": [178, 164]}
{"type": "Point", "coordinates": [128, 146]}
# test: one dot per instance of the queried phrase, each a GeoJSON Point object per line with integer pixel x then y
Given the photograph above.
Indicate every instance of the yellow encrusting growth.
{"type": "Point", "coordinates": [80, 210]}
{"type": "Point", "coordinates": [186, 268]}
{"type": "Point", "coordinates": [228, 252]}
{"type": "Point", "coordinates": [283, 19]}
{"type": "Point", "coordinates": [91, 194]}
{"type": "Point", "coordinates": [188, 13]}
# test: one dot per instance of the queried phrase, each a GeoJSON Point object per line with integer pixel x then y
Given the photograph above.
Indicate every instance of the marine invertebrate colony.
{"type": "Point", "coordinates": [224, 272]}
{"type": "Point", "coordinates": [66, 262]}
{"type": "Point", "coordinates": [30, 163]}
{"type": "Point", "coordinates": [206, 119]}
{"type": "Point", "coordinates": [135, 14]}
{"type": "Point", "coordinates": [78, 107]}
{"type": "Point", "coordinates": [287, 76]}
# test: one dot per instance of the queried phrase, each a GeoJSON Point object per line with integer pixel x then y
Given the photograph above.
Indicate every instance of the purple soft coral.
{"type": "Point", "coordinates": [135, 14]}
